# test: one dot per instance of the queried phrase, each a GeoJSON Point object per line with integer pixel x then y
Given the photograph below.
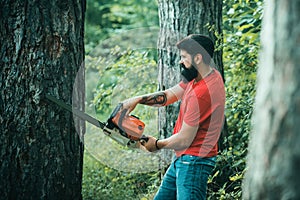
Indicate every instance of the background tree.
{"type": "Point", "coordinates": [41, 51]}
{"type": "Point", "coordinates": [274, 151]}
{"type": "Point", "coordinates": [177, 20]}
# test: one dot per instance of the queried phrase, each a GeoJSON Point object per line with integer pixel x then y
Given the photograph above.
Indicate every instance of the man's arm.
{"type": "Point", "coordinates": [180, 141]}
{"type": "Point", "coordinates": [158, 99]}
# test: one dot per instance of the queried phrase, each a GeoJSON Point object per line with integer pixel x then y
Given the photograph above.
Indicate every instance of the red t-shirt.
{"type": "Point", "coordinates": [203, 106]}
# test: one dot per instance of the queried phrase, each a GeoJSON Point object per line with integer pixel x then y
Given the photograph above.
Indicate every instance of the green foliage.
{"type": "Point", "coordinates": [242, 25]}
{"type": "Point", "coordinates": [107, 17]}
{"type": "Point", "coordinates": [102, 183]}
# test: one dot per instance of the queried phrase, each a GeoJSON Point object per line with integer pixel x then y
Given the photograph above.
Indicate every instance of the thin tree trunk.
{"type": "Point", "coordinates": [274, 150]}
{"type": "Point", "coordinates": [41, 50]}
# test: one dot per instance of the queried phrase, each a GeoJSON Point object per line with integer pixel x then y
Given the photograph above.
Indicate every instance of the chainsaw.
{"type": "Point", "coordinates": [126, 130]}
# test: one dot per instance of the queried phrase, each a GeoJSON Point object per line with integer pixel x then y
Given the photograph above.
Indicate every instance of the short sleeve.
{"type": "Point", "coordinates": [183, 85]}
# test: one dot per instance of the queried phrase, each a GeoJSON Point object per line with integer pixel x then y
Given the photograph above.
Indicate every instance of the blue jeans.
{"type": "Point", "coordinates": [186, 178]}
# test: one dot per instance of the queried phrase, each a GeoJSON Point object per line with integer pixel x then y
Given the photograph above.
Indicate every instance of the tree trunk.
{"type": "Point", "coordinates": [177, 20]}
{"type": "Point", "coordinates": [274, 150]}
{"type": "Point", "coordinates": [41, 51]}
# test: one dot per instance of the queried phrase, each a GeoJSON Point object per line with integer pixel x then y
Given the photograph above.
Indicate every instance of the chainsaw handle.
{"type": "Point", "coordinates": [116, 110]}
{"type": "Point", "coordinates": [144, 139]}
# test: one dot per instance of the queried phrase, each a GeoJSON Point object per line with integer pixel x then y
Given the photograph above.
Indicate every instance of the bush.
{"type": "Point", "coordinates": [101, 182]}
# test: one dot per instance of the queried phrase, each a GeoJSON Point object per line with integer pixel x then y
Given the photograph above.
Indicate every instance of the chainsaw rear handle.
{"type": "Point", "coordinates": [144, 138]}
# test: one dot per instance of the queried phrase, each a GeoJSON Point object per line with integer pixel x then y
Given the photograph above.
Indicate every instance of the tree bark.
{"type": "Point", "coordinates": [177, 20]}
{"type": "Point", "coordinates": [41, 50]}
{"type": "Point", "coordinates": [274, 150]}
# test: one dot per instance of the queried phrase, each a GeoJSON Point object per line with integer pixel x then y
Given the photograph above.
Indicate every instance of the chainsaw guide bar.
{"type": "Point", "coordinates": [125, 130]}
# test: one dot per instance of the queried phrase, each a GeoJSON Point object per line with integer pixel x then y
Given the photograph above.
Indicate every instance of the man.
{"type": "Point", "coordinates": [198, 125]}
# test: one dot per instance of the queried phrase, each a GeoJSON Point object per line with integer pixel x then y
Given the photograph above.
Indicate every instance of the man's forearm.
{"type": "Point", "coordinates": [181, 140]}
{"type": "Point", "coordinates": [175, 142]}
{"type": "Point", "coordinates": [154, 99]}
{"type": "Point", "coordinates": [162, 98]}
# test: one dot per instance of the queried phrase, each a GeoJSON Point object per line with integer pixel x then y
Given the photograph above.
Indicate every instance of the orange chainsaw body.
{"type": "Point", "coordinates": [129, 125]}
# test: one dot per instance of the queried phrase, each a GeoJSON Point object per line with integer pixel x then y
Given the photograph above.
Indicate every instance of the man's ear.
{"type": "Point", "coordinates": [198, 58]}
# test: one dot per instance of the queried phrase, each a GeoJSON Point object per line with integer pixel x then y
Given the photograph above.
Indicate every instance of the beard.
{"type": "Point", "coordinates": [188, 74]}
